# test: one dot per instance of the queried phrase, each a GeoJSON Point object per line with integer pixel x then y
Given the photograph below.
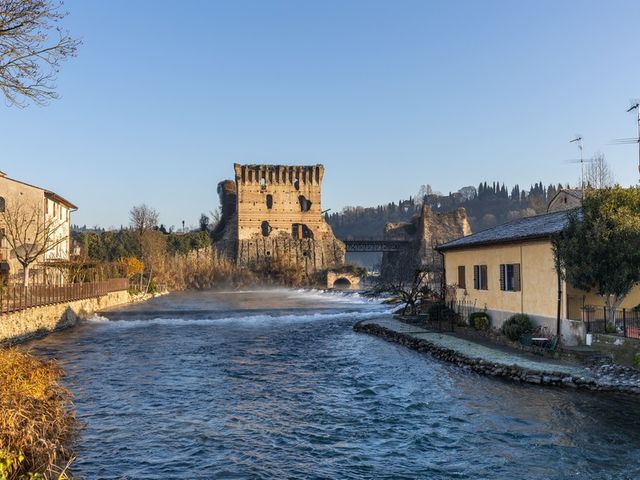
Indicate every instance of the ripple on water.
{"type": "Point", "coordinates": [277, 385]}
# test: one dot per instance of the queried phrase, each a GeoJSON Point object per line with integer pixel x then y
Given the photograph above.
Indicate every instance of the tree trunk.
{"type": "Point", "coordinates": [611, 308]}
{"type": "Point", "coordinates": [25, 279]}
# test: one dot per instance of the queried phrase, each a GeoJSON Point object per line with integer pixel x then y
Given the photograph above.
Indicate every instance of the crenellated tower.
{"type": "Point", "coordinates": [278, 211]}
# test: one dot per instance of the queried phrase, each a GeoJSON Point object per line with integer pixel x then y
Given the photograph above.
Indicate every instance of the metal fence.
{"type": "Point", "coordinates": [14, 298]}
{"type": "Point", "coordinates": [464, 308]}
{"type": "Point", "coordinates": [627, 322]}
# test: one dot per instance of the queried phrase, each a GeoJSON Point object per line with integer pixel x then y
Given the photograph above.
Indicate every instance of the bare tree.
{"type": "Point", "coordinates": [468, 193]}
{"type": "Point", "coordinates": [409, 292]}
{"type": "Point", "coordinates": [32, 47]}
{"type": "Point", "coordinates": [143, 218]}
{"type": "Point", "coordinates": [154, 250]}
{"type": "Point", "coordinates": [598, 173]}
{"type": "Point", "coordinates": [30, 233]}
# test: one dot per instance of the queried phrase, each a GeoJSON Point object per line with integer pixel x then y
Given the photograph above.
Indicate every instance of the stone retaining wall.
{"type": "Point", "coordinates": [35, 322]}
{"type": "Point", "coordinates": [511, 372]}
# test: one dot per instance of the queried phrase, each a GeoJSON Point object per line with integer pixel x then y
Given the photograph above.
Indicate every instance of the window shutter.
{"type": "Point", "coordinates": [502, 276]}
{"type": "Point", "coordinates": [476, 277]}
{"type": "Point", "coordinates": [516, 277]}
{"type": "Point", "coordinates": [462, 281]}
{"type": "Point", "coordinates": [485, 282]}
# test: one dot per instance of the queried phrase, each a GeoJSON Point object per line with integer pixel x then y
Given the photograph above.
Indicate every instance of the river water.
{"type": "Point", "coordinates": [275, 384]}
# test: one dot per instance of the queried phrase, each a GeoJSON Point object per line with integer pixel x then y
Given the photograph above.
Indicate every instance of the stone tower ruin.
{"type": "Point", "coordinates": [274, 212]}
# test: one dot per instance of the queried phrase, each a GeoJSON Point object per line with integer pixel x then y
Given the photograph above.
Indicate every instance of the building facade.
{"type": "Point", "coordinates": [511, 269]}
{"type": "Point", "coordinates": [274, 211]}
{"type": "Point", "coordinates": [50, 211]}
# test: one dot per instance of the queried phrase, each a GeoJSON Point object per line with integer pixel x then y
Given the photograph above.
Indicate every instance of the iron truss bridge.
{"type": "Point", "coordinates": [376, 245]}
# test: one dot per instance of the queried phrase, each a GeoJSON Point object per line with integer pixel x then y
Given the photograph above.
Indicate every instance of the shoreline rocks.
{"type": "Point", "coordinates": [508, 372]}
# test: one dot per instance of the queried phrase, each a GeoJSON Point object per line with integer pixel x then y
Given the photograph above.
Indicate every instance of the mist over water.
{"type": "Point", "coordinates": [275, 384]}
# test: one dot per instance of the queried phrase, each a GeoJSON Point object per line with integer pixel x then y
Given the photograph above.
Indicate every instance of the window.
{"type": "Point", "coordinates": [269, 201]}
{"type": "Point", "coordinates": [263, 183]}
{"type": "Point", "coordinates": [510, 277]}
{"type": "Point", "coordinates": [300, 231]}
{"type": "Point", "coordinates": [2, 205]}
{"type": "Point", "coordinates": [462, 280]}
{"type": "Point", "coordinates": [305, 205]}
{"type": "Point", "coordinates": [480, 277]}
{"type": "Point", "coordinates": [266, 228]}
{"type": "Point", "coordinates": [296, 184]}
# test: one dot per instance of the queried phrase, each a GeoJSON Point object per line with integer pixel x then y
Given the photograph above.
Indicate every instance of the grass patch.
{"type": "Point", "coordinates": [37, 421]}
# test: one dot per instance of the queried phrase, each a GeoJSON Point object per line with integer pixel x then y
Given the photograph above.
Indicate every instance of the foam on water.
{"type": "Point", "coordinates": [245, 320]}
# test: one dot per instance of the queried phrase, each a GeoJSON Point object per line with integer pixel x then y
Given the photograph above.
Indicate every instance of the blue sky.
{"type": "Point", "coordinates": [165, 96]}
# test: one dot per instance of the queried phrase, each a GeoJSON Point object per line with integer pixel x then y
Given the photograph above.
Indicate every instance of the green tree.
{"type": "Point", "coordinates": [599, 250]}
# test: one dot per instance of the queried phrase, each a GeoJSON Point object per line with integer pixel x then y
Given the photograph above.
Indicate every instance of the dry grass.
{"type": "Point", "coordinates": [201, 270]}
{"type": "Point", "coordinates": [37, 423]}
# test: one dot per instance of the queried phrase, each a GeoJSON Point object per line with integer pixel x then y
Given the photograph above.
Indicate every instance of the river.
{"type": "Point", "coordinates": [275, 384]}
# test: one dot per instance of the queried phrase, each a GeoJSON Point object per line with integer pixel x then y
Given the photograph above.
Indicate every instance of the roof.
{"type": "Point", "coordinates": [528, 228]}
{"type": "Point", "coordinates": [48, 193]}
{"type": "Point", "coordinates": [58, 199]}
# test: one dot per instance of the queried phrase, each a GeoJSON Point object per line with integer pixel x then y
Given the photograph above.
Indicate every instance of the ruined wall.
{"type": "Point", "coordinates": [277, 214]}
{"type": "Point", "coordinates": [426, 231]}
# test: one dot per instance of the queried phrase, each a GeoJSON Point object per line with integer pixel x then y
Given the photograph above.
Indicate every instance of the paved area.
{"type": "Point", "coordinates": [476, 351]}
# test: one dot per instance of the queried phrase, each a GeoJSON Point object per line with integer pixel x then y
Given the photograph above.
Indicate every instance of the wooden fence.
{"type": "Point", "coordinates": [17, 297]}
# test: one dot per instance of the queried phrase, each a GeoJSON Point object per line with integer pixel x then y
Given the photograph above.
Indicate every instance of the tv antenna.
{"type": "Point", "coordinates": [578, 141]}
{"type": "Point", "coordinates": [636, 107]}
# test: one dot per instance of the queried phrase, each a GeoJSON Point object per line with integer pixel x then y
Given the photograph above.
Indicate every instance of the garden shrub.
{"type": "Point", "coordinates": [636, 360]}
{"type": "Point", "coordinates": [517, 326]}
{"type": "Point", "coordinates": [479, 320]}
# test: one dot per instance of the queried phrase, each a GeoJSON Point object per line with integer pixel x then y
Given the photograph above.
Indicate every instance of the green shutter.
{"type": "Point", "coordinates": [516, 277]}
{"type": "Point", "coordinates": [483, 274]}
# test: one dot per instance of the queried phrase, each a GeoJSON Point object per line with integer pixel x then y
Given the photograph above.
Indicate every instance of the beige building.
{"type": "Point", "coordinates": [51, 209]}
{"type": "Point", "coordinates": [566, 199]}
{"type": "Point", "coordinates": [275, 210]}
{"type": "Point", "coordinates": [510, 269]}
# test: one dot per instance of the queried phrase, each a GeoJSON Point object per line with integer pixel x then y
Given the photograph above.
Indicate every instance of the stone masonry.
{"type": "Point", "coordinates": [426, 231]}
{"type": "Point", "coordinates": [274, 212]}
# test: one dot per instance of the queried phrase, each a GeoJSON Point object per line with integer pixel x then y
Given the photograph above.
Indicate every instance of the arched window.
{"type": "Point", "coordinates": [2, 204]}
{"type": "Point", "coordinates": [296, 184]}
{"type": "Point", "coordinates": [269, 201]}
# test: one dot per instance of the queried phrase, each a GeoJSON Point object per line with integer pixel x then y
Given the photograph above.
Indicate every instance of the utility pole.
{"type": "Point", "coordinates": [636, 107]}
{"type": "Point", "coordinates": [578, 140]}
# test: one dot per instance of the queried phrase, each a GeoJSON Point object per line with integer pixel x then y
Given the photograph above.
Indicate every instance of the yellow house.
{"type": "Point", "coordinates": [510, 269]}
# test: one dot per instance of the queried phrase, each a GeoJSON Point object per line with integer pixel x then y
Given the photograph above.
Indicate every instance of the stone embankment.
{"type": "Point", "coordinates": [23, 325]}
{"type": "Point", "coordinates": [513, 367]}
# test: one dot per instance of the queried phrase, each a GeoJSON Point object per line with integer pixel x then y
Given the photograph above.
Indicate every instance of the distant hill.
{"type": "Point", "coordinates": [487, 205]}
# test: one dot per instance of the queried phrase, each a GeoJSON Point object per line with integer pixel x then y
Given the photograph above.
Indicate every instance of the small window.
{"type": "Point", "coordinates": [300, 231]}
{"type": "Point", "coordinates": [269, 201]}
{"type": "Point", "coordinates": [480, 277]}
{"type": "Point", "coordinates": [305, 205]}
{"type": "Point", "coordinates": [2, 204]}
{"type": "Point", "coordinates": [462, 280]}
{"type": "Point", "coordinates": [263, 183]}
{"type": "Point", "coordinates": [510, 277]}
{"type": "Point", "coordinates": [266, 228]}
{"type": "Point", "coordinates": [296, 184]}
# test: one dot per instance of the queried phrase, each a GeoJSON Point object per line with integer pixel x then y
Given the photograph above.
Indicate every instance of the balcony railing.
{"type": "Point", "coordinates": [14, 298]}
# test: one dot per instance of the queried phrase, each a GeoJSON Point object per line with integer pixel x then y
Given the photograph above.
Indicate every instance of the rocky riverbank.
{"type": "Point", "coordinates": [598, 378]}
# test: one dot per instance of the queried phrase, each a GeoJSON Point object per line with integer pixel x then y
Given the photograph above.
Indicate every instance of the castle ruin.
{"type": "Point", "coordinates": [425, 232]}
{"type": "Point", "coordinates": [273, 212]}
